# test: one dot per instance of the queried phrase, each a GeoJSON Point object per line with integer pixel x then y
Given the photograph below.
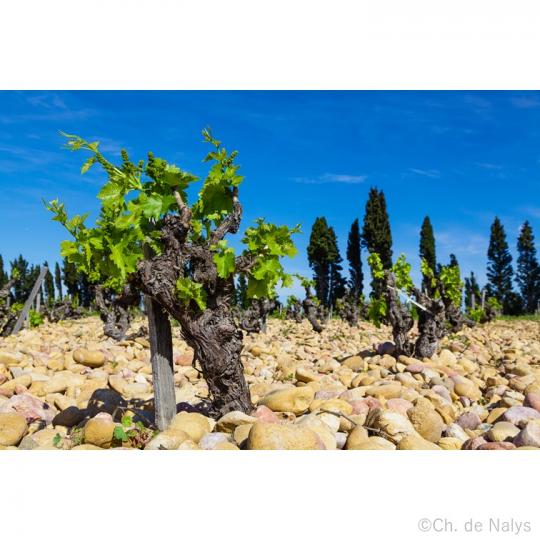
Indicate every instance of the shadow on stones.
{"type": "Point", "coordinates": [106, 400]}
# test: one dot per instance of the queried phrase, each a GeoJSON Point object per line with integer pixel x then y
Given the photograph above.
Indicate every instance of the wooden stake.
{"type": "Point", "coordinates": [30, 300]}
{"type": "Point", "coordinates": [161, 350]}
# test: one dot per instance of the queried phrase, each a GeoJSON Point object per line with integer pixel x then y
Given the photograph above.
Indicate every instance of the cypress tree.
{"type": "Point", "coordinates": [86, 291]}
{"type": "Point", "coordinates": [3, 274]}
{"type": "Point", "coordinates": [528, 270]}
{"type": "Point", "coordinates": [318, 252]}
{"type": "Point", "coordinates": [337, 281]}
{"type": "Point", "coordinates": [241, 292]}
{"type": "Point", "coordinates": [58, 280]}
{"type": "Point", "coordinates": [48, 285]}
{"type": "Point", "coordinates": [499, 268]}
{"type": "Point", "coordinates": [472, 290]}
{"type": "Point", "coordinates": [427, 250]}
{"type": "Point", "coordinates": [20, 289]}
{"type": "Point", "coordinates": [71, 279]}
{"type": "Point", "coordinates": [376, 234]}
{"type": "Point", "coordinates": [356, 281]}
{"type": "Point", "coordinates": [325, 260]}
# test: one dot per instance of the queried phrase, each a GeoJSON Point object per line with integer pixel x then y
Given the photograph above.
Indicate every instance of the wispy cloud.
{"type": "Point", "coordinates": [532, 211]}
{"type": "Point", "coordinates": [46, 101]}
{"type": "Point", "coordinates": [430, 173]}
{"type": "Point", "coordinates": [489, 166]}
{"type": "Point", "coordinates": [462, 241]}
{"type": "Point", "coordinates": [13, 158]}
{"type": "Point", "coordinates": [332, 178]}
{"type": "Point", "coordinates": [107, 144]}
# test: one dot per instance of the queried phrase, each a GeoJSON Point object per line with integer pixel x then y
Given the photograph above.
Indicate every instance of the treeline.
{"type": "Point", "coordinates": [59, 282]}
{"type": "Point", "coordinates": [375, 237]}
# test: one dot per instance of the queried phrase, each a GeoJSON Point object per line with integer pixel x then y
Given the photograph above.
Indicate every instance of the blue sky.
{"type": "Point", "coordinates": [460, 157]}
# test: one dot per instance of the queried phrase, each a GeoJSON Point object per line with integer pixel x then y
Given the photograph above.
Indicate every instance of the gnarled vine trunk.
{"type": "Point", "coordinates": [399, 316]}
{"type": "Point", "coordinates": [311, 311]}
{"type": "Point", "coordinates": [114, 309]}
{"type": "Point", "coordinates": [349, 310]}
{"type": "Point", "coordinates": [254, 318]}
{"type": "Point", "coordinates": [8, 318]}
{"type": "Point", "coordinates": [431, 325]}
{"type": "Point", "coordinates": [294, 312]}
{"type": "Point", "coordinates": [211, 332]}
{"type": "Point", "coordinates": [62, 310]}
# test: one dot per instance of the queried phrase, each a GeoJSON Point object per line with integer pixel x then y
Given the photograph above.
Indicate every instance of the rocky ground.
{"type": "Point", "coordinates": [64, 386]}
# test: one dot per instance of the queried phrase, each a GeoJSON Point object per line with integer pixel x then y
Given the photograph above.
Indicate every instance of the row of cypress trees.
{"type": "Point", "coordinates": [63, 280]}
{"type": "Point", "coordinates": [376, 237]}
{"type": "Point", "coordinates": [325, 260]}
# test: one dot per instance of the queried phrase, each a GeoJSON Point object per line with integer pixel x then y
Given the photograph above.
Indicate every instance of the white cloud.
{"type": "Point", "coordinates": [490, 166]}
{"type": "Point", "coordinates": [332, 178]}
{"type": "Point", "coordinates": [430, 173]}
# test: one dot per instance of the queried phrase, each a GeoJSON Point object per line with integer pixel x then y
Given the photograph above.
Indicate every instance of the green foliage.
{"type": "Point", "coordinates": [188, 290]}
{"type": "Point", "coordinates": [428, 273]}
{"type": "Point", "coordinates": [291, 301]}
{"type": "Point", "coordinates": [377, 311]}
{"type": "Point", "coordinates": [267, 244]}
{"type": "Point", "coordinates": [134, 201]}
{"type": "Point", "coordinates": [224, 258]}
{"type": "Point", "coordinates": [494, 303]}
{"type": "Point", "coordinates": [402, 272]}
{"type": "Point", "coordinates": [477, 315]}
{"type": "Point", "coordinates": [304, 281]}
{"type": "Point", "coordinates": [375, 263]}
{"type": "Point", "coordinates": [450, 279]}
{"type": "Point", "coordinates": [57, 440]}
{"type": "Point", "coordinates": [119, 434]}
{"type": "Point", "coordinates": [35, 318]}
{"type": "Point", "coordinates": [17, 307]}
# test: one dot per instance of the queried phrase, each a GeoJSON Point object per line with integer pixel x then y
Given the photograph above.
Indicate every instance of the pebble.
{"type": "Point", "coordinates": [309, 390]}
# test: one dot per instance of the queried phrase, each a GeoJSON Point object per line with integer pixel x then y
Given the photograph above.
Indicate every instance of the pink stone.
{"type": "Point", "coordinates": [496, 446]}
{"type": "Point", "coordinates": [185, 359]}
{"type": "Point", "coordinates": [265, 415]}
{"type": "Point", "coordinates": [532, 399]}
{"type": "Point", "coordinates": [373, 403]}
{"type": "Point", "coordinates": [469, 420]}
{"type": "Point", "coordinates": [30, 407]}
{"type": "Point", "coordinates": [474, 443]}
{"type": "Point", "coordinates": [399, 405]}
{"type": "Point", "coordinates": [520, 416]}
{"type": "Point", "coordinates": [359, 406]}
{"type": "Point", "coordinates": [415, 368]}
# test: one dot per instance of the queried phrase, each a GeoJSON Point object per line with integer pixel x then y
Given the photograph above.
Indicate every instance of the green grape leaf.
{"type": "Point", "coordinates": [110, 193]}
{"type": "Point", "coordinates": [87, 164]}
{"type": "Point", "coordinates": [187, 290]}
{"type": "Point", "coordinates": [225, 262]}
{"type": "Point", "coordinates": [119, 434]}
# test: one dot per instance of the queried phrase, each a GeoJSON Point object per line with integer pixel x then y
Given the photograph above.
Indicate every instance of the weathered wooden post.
{"type": "Point", "coordinates": [38, 299]}
{"type": "Point", "coordinates": [30, 300]}
{"type": "Point", "coordinates": [161, 350]}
